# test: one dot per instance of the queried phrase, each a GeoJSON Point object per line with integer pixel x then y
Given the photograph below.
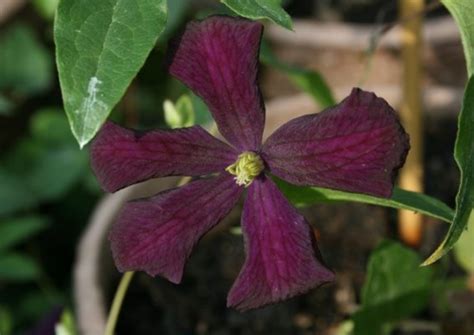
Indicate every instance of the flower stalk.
{"type": "Point", "coordinates": [117, 303]}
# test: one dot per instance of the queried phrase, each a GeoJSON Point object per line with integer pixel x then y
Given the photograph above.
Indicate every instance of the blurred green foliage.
{"type": "Point", "coordinates": [17, 230]}
{"type": "Point", "coordinates": [5, 321]}
{"type": "Point", "coordinates": [46, 8]}
{"type": "Point", "coordinates": [66, 325]}
{"type": "Point", "coordinates": [41, 176]}
{"type": "Point", "coordinates": [46, 163]}
{"type": "Point", "coordinates": [308, 81]}
{"type": "Point", "coordinates": [396, 287]}
{"type": "Point", "coordinates": [26, 66]}
{"type": "Point", "coordinates": [18, 267]}
{"type": "Point", "coordinates": [5, 106]}
{"type": "Point", "coordinates": [261, 9]}
{"type": "Point", "coordinates": [38, 175]}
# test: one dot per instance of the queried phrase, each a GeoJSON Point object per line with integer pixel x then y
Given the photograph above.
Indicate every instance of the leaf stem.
{"type": "Point", "coordinates": [117, 303]}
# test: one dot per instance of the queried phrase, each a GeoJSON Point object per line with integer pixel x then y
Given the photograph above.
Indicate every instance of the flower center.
{"type": "Point", "coordinates": [247, 166]}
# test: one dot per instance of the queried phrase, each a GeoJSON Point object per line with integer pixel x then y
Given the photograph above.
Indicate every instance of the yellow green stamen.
{"type": "Point", "coordinates": [247, 166]}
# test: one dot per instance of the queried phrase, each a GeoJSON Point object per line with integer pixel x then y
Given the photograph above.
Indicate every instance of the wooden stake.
{"type": "Point", "coordinates": [410, 225]}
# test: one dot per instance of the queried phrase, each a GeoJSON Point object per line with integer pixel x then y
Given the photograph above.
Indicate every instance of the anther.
{"type": "Point", "coordinates": [247, 166]}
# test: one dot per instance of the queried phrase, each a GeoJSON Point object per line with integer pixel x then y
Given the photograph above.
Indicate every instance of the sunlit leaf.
{"type": "Point", "coordinates": [100, 46]}
{"type": "Point", "coordinates": [179, 114]}
{"type": "Point", "coordinates": [47, 8]}
{"type": "Point", "coordinates": [261, 9]}
{"type": "Point", "coordinates": [66, 325]}
{"type": "Point", "coordinates": [464, 248]}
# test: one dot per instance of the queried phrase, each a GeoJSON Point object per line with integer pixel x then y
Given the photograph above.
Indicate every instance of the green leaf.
{"type": "Point", "coordinates": [401, 199]}
{"type": "Point", "coordinates": [25, 66]}
{"type": "Point", "coordinates": [464, 248]}
{"type": "Point", "coordinates": [261, 9]}
{"type": "Point", "coordinates": [6, 321]}
{"type": "Point", "coordinates": [180, 114]}
{"type": "Point", "coordinates": [443, 288]}
{"type": "Point", "coordinates": [309, 81]}
{"type": "Point", "coordinates": [15, 195]}
{"type": "Point", "coordinates": [464, 148]}
{"type": "Point", "coordinates": [17, 230]}
{"type": "Point", "coordinates": [49, 126]}
{"type": "Point", "coordinates": [6, 106]}
{"type": "Point", "coordinates": [46, 8]}
{"type": "Point", "coordinates": [462, 11]}
{"type": "Point", "coordinates": [396, 287]}
{"type": "Point", "coordinates": [47, 172]}
{"type": "Point", "coordinates": [100, 46]}
{"type": "Point", "coordinates": [177, 10]}
{"type": "Point", "coordinates": [17, 267]}
{"type": "Point", "coordinates": [49, 163]}
{"type": "Point", "coordinates": [189, 110]}
{"type": "Point", "coordinates": [345, 328]}
{"type": "Point", "coordinates": [201, 111]}
{"type": "Point", "coordinates": [464, 156]}
{"type": "Point", "coordinates": [56, 171]}
{"type": "Point", "coordinates": [66, 325]}
{"type": "Point", "coordinates": [32, 305]}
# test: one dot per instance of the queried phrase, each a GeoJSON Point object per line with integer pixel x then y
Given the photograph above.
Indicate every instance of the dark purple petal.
{"type": "Point", "coordinates": [281, 251]}
{"type": "Point", "coordinates": [218, 59]}
{"type": "Point", "coordinates": [121, 157]}
{"type": "Point", "coordinates": [356, 146]}
{"type": "Point", "coordinates": [157, 235]}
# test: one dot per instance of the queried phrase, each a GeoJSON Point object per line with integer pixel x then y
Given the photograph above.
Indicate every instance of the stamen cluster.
{"type": "Point", "coordinates": [247, 166]}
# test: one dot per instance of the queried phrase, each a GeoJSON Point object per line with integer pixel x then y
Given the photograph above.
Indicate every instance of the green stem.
{"type": "Point", "coordinates": [117, 303]}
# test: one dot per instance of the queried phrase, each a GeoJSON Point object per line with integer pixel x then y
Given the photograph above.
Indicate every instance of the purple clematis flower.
{"type": "Point", "coordinates": [357, 146]}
